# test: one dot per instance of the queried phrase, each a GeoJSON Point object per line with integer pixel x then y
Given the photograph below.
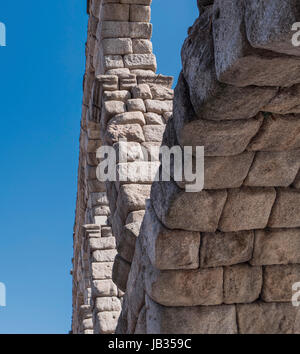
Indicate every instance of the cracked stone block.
{"type": "Point", "coordinates": [276, 246]}
{"type": "Point", "coordinates": [224, 249]}
{"type": "Point", "coordinates": [190, 320]}
{"type": "Point", "coordinates": [286, 210]}
{"type": "Point", "coordinates": [277, 133]}
{"type": "Point", "coordinates": [161, 93]}
{"type": "Point", "coordinates": [247, 209]}
{"type": "Point", "coordinates": [177, 209]}
{"type": "Point", "coordinates": [278, 282]}
{"type": "Point", "coordinates": [277, 169]}
{"type": "Point", "coordinates": [274, 318]}
{"type": "Point", "coordinates": [242, 283]}
{"type": "Point", "coordinates": [169, 249]}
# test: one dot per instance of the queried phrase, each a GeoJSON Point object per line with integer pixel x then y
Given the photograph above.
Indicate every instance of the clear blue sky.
{"type": "Point", "coordinates": [41, 72]}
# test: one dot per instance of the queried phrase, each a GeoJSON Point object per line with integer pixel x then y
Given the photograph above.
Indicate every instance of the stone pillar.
{"type": "Point", "coordinates": [123, 99]}
{"type": "Point", "coordinates": [224, 260]}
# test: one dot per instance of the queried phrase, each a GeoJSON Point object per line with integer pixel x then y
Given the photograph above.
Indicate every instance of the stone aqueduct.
{"type": "Point", "coordinates": [155, 258]}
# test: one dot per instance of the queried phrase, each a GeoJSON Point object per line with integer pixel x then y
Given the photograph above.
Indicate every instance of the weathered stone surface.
{"type": "Point", "coordinates": [185, 287]}
{"type": "Point", "coordinates": [190, 320]}
{"type": "Point", "coordinates": [247, 209]}
{"type": "Point", "coordinates": [278, 282]}
{"type": "Point", "coordinates": [296, 183]}
{"type": "Point", "coordinates": [107, 304]}
{"type": "Point", "coordinates": [104, 288]}
{"type": "Point", "coordinates": [242, 283]}
{"type": "Point", "coordinates": [154, 118]}
{"type": "Point", "coordinates": [269, 25]}
{"type": "Point", "coordinates": [224, 249]}
{"type": "Point", "coordinates": [117, 46]}
{"type": "Point", "coordinates": [132, 198]}
{"type": "Point", "coordinates": [140, 13]}
{"type": "Point", "coordinates": [116, 95]}
{"type": "Point", "coordinates": [141, 46]}
{"type": "Point", "coordinates": [177, 209]}
{"type": "Point", "coordinates": [286, 210]}
{"type": "Point", "coordinates": [104, 255]}
{"type": "Point", "coordinates": [140, 61]}
{"type": "Point", "coordinates": [218, 171]}
{"type": "Point", "coordinates": [153, 132]}
{"type": "Point", "coordinates": [111, 108]}
{"type": "Point", "coordinates": [106, 322]}
{"type": "Point", "coordinates": [276, 246]}
{"type": "Point", "coordinates": [277, 133]}
{"type": "Point", "coordinates": [115, 12]}
{"type": "Point", "coordinates": [225, 138]}
{"type": "Point", "coordinates": [262, 318]}
{"type": "Point", "coordinates": [128, 118]}
{"type": "Point", "coordinates": [277, 169]}
{"type": "Point", "coordinates": [210, 98]}
{"type": "Point", "coordinates": [239, 64]}
{"type": "Point", "coordinates": [112, 62]}
{"type": "Point", "coordinates": [137, 172]}
{"type": "Point", "coordinates": [120, 272]}
{"type": "Point", "coordinates": [105, 243]}
{"type": "Point", "coordinates": [176, 249]}
{"type": "Point", "coordinates": [131, 132]}
{"type": "Point", "coordinates": [114, 29]}
{"type": "Point", "coordinates": [159, 107]}
{"type": "Point", "coordinates": [101, 270]}
{"type": "Point", "coordinates": [136, 104]}
{"type": "Point", "coordinates": [141, 326]}
{"type": "Point", "coordinates": [129, 151]}
{"type": "Point", "coordinates": [161, 93]}
{"type": "Point", "coordinates": [141, 91]}
{"type": "Point", "coordinates": [286, 101]}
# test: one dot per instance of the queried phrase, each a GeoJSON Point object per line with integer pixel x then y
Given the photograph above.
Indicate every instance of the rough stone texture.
{"type": "Point", "coordinates": [268, 318]}
{"type": "Point", "coordinates": [190, 320]}
{"type": "Point", "coordinates": [242, 284]}
{"type": "Point", "coordinates": [278, 282]}
{"type": "Point", "coordinates": [247, 209]}
{"type": "Point", "coordinates": [224, 249]}
{"type": "Point", "coordinates": [222, 260]}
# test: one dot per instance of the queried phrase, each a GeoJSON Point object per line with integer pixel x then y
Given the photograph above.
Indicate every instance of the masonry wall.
{"type": "Point", "coordinates": [224, 260]}
{"type": "Point", "coordinates": [158, 259]}
{"type": "Point", "coordinates": [125, 106]}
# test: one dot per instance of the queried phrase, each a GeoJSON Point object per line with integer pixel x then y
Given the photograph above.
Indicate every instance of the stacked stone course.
{"type": "Point", "coordinates": [123, 99]}
{"type": "Point", "coordinates": [224, 260]}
